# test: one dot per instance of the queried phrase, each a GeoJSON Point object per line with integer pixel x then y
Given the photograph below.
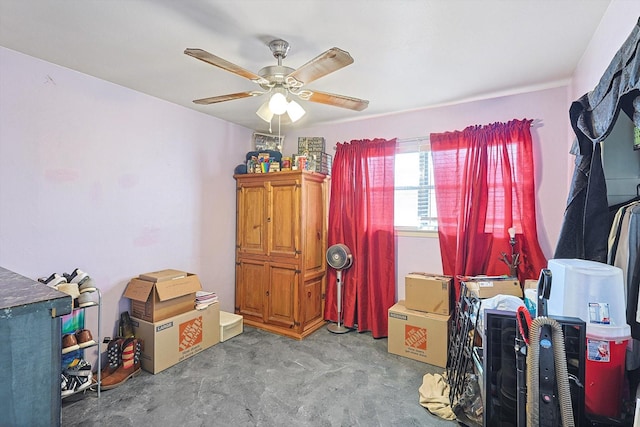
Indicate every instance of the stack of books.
{"type": "Point", "coordinates": [204, 299]}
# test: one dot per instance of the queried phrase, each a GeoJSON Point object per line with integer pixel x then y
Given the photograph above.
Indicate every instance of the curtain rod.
{"type": "Point", "coordinates": [407, 140]}
{"type": "Point", "coordinates": [414, 139]}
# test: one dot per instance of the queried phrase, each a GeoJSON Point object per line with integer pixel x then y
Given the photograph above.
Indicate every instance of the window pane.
{"type": "Point", "coordinates": [406, 208]}
{"type": "Point", "coordinates": [415, 206]}
{"type": "Point", "coordinates": [407, 170]}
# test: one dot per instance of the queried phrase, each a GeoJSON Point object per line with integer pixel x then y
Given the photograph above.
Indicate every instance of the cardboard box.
{"type": "Point", "coordinates": [230, 325]}
{"type": "Point", "coordinates": [491, 286]}
{"type": "Point", "coordinates": [177, 338]}
{"type": "Point", "coordinates": [418, 335]}
{"type": "Point", "coordinates": [311, 144]}
{"type": "Point", "coordinates": [162, 275]}
{"type": "Point", "coordinates": [162, 294]}
{"type": "Point", "coordinates": [428, 292]}
{"type": "Point", "coordinates": [530, 284]}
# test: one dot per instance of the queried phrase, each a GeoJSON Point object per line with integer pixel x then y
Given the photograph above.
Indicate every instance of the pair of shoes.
{"type": "Point", "coordinates": [77, 377]}
{"type": "Point", "coordinates": [81, 338]}
{"type": "Point", "coordinates": [87, 291]}
{"type": "Point", "coordinates": [129, 366]}
{"type": "Point", "coordinates": [84, 281]}
{"type": "Point", "coordinates": [59, 283]}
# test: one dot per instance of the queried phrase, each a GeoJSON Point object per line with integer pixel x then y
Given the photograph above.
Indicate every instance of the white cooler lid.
{"type": "Point", "coordinates": [609, 332]}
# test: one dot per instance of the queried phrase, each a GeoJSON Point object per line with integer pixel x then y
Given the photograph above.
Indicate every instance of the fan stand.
{"type": "Point", "coordinates": [338, 328]}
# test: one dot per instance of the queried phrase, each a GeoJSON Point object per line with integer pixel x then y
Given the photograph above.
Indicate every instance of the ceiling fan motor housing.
{"type": "Point", "coordinates": [275, 74]}
{"type": "Point", "coordinates": [339, 257]}
{"type": "Point", "coordinates": [279, 48]}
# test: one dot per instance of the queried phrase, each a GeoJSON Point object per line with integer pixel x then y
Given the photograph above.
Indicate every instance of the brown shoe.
{"type": "Point", "coordinates": [69, 343]}
{"type": "Point", "coordinates": [84, 338]}
{"type": "Point", "coordinates": [104, 373]}
{"type": "Point", "coordinates": [130, 367]}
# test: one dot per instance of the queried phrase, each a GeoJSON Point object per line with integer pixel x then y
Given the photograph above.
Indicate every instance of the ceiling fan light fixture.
{"type": "Point", "coordinates": [278, 103]}
{"type": "Point", "coordinates": [295, 111]}
{"type": "Point", "coordinates": [264, 112]}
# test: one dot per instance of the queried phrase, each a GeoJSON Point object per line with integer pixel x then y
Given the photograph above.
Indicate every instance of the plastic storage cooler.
{"type": "Point", "coordinates": [595, 293]}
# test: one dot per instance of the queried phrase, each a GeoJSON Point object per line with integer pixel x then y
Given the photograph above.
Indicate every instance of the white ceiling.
{"type": "Point", "coordinates": [408, 54]}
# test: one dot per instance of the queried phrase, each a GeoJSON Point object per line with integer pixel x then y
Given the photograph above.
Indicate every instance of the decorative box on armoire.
{"type": "Point", "coordinates": [30, 356]}
{"type": "Point", "coordinates": [281, 235]}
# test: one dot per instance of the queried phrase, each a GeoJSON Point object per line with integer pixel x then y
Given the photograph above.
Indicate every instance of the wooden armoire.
{"type": "Point", "coordinates": [281, 237]}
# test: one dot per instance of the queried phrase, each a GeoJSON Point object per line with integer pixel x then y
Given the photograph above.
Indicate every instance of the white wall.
{"type": "Point", "coordinates": [548, 108]}
{"type": "Point", "coordinates": [117, 183]}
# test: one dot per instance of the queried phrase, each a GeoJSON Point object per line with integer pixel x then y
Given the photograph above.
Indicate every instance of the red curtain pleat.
{"type": "Point", "coordinates": [361, 217]}
{"type": "Point", "coordinates": [484, 182]}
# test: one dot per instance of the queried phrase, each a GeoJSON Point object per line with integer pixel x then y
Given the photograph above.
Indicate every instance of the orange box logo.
{"type": "Point", "coordinates": [415, 337]}
{"type": "Point", "coordinates": [190, 333]}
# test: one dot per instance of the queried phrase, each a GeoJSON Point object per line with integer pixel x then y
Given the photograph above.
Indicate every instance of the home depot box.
{"type": "Point", "coordinates": [428, 292]}
{"type": "Point", "coordinates": [491, 286]}
{"type": "Point", "coordinates": [418, 335]}
{"type": "Point", "coordinates": [177, 338]}
{"type": "Point", "coordinates": [161, 294]}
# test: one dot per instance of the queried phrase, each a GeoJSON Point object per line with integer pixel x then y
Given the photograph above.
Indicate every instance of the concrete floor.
{"type": "Point", "coordinates": [262, 379]}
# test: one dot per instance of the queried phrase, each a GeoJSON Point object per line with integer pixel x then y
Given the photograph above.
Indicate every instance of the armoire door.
{"type": "Point", "coordinates": [284, 218]}
{"type": "Point", "coordinates": [281, 295]}
{"type": "Point", "coordinates": [252, 218]}
{"type": "Point", "coordinates": [251, 286]}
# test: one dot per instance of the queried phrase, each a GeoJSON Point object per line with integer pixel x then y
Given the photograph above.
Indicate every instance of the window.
{"type": "Point", "coordinates": [415, 200]}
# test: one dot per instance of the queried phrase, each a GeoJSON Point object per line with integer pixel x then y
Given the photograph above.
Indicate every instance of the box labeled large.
{"type": "Point", "coordinates": [428, 292]}
{"type": "Point", "coordinates": [418, 335]}
{"type": "Point", "coordinates": [177, 338]}
{"type": "Point", "coordinates": [162, 294]}
{"type": "Point", "coordinates": [487, 287]}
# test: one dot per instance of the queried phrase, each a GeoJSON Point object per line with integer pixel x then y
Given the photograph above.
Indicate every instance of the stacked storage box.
{"type": "Point", "coordinates": [164, 318]}
{"type": "Point", "coordinates": [314, 149]}
{"type": "Point", "coordinates": [419, 325]}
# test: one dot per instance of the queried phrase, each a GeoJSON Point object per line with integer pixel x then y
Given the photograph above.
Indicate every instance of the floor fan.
{"type": "Point", "coordinates": [339, 258]}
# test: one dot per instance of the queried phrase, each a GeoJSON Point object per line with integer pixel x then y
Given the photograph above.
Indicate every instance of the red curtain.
{"type": "Point", "coordinates": [484, 182]}
{"type": "Point", "coordinates": [361, 217]}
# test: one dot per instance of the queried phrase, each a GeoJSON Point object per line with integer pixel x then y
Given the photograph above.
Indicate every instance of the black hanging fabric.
{"type": "Point", "coordinates": [586, 223]}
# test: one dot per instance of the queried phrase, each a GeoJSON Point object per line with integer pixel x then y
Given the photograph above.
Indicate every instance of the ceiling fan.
{"type": "Point", "coordinates": [280, 81]}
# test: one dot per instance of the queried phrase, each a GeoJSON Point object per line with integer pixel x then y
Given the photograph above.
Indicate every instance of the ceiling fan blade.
{"type": "Point", "coordinates": [335, 100]}
{"type": "Point", "coordinates": [229, 97]}
{"type": "Point", "coordinates": [320, 66]}
{"type": "Point", "coordinates": [209, 58]}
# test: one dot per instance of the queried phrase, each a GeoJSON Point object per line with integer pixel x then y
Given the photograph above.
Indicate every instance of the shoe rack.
{"type": "Point", "coordinates": [79, 353]}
